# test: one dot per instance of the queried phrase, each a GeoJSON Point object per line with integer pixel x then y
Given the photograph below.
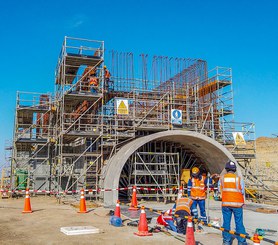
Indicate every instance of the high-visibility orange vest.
{"type": "Point", "coordinates": [231, 191]}
{"type": "Point", "coordinates": [92, 72]}
{"type": "Point", "coordinates": [184, 203]}
{"type": "Point", "coordinates": [93, 81]}
{"type": "Point", "coordinates": [107, 74]}
{"type": "Point", "coordinates": [198, 191]}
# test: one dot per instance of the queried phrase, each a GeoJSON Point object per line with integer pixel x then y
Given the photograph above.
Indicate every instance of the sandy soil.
{"type": "Point", "coordinates": [43, 226]}
{"type": "Point", "coordinates": [267, 151]}
{"type": "Point", "coordinates": [267, 160]}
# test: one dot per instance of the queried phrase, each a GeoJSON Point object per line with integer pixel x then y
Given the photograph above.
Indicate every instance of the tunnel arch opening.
{"type": "Point", "coordinates": [158, 168]}
{"type": "Point", "coordinates": [204, 152]}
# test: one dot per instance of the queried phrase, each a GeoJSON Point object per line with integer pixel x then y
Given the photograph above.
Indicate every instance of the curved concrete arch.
{"type": "Point", "coordinates": [214, 154]}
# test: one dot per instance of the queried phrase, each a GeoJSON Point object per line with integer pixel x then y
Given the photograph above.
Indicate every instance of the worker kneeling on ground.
{"type": "Point", "coordinates": [196, 190]}
{"type": "Point", "coordinates": [183, 208]}
{"type": "Point", "coordinates": [231, 187]}
{"type": "Point", "coordinates": [166, 219]}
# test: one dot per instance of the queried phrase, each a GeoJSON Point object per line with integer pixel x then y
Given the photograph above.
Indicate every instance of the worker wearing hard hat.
{"type": "Point", "coordinates": [107, 76]}
{"type": "Point", "coordinates": [231, 187]}
{"type": "Point", "coordinates": [196, 190]}
{"type": "Point", "coordinates": [182, 210]}
{"type": "Point", "coordinates": [93, 82]}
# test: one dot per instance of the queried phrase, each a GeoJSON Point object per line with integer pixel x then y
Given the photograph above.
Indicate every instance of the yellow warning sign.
{"type": "Point", "coordinates": [122, 107]}
{"type": "Point", "coordinates": [239, 138]}
{"type": "Point", "coordinates": [268, 164]}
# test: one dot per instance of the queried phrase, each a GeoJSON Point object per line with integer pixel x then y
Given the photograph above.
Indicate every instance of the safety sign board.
{"type": "Point", "coordinates": [122, 106]}
{"type": "Point", "coordinates": [239, 138]}
{"type": "Point", "coordinates": [176, 116]}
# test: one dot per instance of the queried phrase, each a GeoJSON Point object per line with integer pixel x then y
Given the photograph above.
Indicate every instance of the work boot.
{"type": "Point", "coordinates": [199, 228]}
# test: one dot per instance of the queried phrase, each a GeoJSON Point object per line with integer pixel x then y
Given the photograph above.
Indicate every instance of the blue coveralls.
{"type": "Point", "coordinates": [199, 202]}
{"type": "Point", "coordinates": [238, 215]}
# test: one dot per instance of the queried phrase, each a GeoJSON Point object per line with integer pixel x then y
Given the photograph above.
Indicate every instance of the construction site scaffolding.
{"type": "Point", "coordinates": [102, 102]}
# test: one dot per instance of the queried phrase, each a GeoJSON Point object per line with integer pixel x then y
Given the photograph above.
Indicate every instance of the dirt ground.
{"type": "Point", "coordinates": [43, 226]}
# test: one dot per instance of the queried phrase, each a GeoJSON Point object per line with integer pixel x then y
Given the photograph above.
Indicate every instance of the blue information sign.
{"type": "Point", "coordinates": [176, 116]}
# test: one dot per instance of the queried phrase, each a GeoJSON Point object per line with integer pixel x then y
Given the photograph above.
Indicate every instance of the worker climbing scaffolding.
{"type": "Point", "coordinates": [108, 83]}
{"type": "Point", "coordinates": [92, 79]}
{"type": "Point", "coordinates": [93, 82]}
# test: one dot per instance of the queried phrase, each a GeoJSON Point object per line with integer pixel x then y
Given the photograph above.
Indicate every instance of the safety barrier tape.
{"type": "Point", "coordinates": [64, 192]}
{"type": "Point", "coordinates": [94, 190]}
{"type": "Point", "coordinates": [208, 225]}
{"type": "Point", "coordinates": [167, 189]}
{"type": "Point", "coordinates": [150, 209]}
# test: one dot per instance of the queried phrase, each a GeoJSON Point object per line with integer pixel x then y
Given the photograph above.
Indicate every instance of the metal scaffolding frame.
{"type": "Point", "coordinates": [32, 141]}
{"type": "Point", "coordinates": [78, 151]}
{"type": "Point", "coordinates": [68, 138]}
{"type": "Point", "coordinates": [156, 170]}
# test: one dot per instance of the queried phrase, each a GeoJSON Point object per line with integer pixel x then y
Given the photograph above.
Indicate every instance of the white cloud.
{"type": "Point", "coordinates": [77, 20]}
{"type": "Point", "coordinates": [78, 23]}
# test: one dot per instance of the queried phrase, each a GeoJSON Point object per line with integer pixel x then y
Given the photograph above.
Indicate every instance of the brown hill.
{"type": "Point", "coordinates": [267, 159]}
{"type": "Point", "coordinates": [267, 151]}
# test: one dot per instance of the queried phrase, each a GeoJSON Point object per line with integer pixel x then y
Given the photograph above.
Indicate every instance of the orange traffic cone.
{"type": "Point", "coordinates": [117, 210]}
{"type": "Point", "coordinates": [189, 239]}
{"type": "Point", "coordinates": [256, 239]}
{"type": "Point", "coordinates": [143, 224]}
{"type": "Point", "coordinates": [27, 203]}
{"type": "Point", "coordinates": [82, 208]}
{"type": "Point", "coordinates": [180, 194]}
{"type": "Point", "coordinates": [133, 204]}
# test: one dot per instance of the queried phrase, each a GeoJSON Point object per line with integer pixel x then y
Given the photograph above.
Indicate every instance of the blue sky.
{"type": "Point", "coordinates": [242, 35]}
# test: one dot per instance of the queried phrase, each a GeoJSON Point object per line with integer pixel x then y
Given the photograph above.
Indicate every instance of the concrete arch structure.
{"type": "Point", "coordinates": [214, 154]}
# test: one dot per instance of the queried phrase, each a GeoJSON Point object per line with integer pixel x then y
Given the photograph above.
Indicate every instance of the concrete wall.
{"type": "Point", "coordinates": [214, 154]}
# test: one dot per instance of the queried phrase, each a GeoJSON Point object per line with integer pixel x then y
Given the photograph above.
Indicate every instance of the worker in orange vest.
{"type": "Point", "coordinates": [107, 76]}
{"type": "Point", "coordinates": [182, 209]}
{"type": "Point", "coordinates": [196, 190]}
{"type": "Point", "coordinates": [93, 82]}
{"type": "Point", "coordinates": [93, 71]}
{"type": "Point", "coordinates": [232, 187]}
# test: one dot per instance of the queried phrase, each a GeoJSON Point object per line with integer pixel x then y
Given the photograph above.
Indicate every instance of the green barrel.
{"type": "Point", "coordinates": [22, 176]}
